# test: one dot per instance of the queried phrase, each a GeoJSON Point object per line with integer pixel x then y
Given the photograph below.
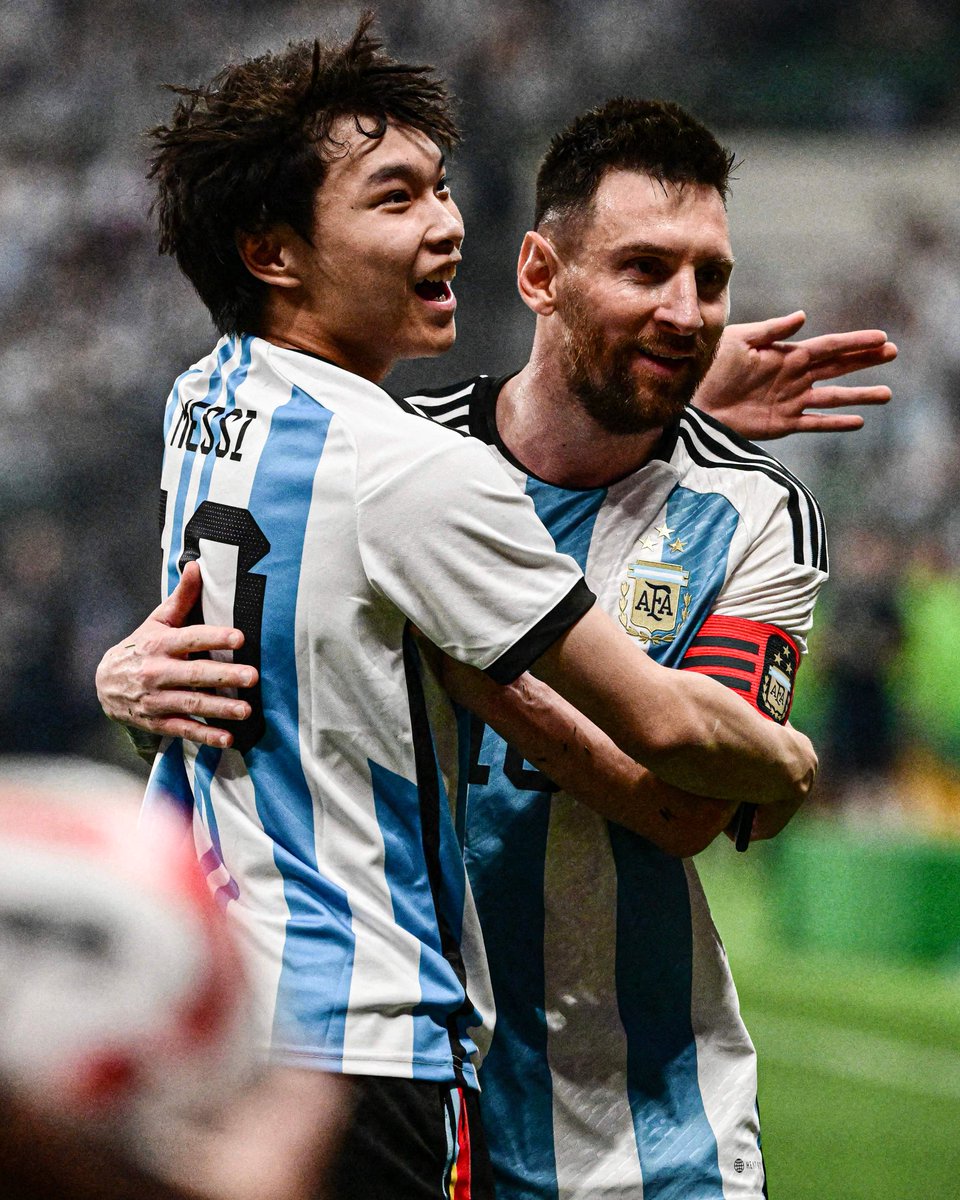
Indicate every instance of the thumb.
{"type": "Point", "coordinates": [765, 333]}
{"type": "Point", "coordinates": [183, 599]}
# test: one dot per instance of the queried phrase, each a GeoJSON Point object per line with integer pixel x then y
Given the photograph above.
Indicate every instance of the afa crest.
{"type": "Point", "coordinates": [775, 693]}
{"type": "Point", "coordinates": [654, 601]}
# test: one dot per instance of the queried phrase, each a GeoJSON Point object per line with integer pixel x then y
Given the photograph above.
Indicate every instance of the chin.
{"type": "Point", "coordinates": [435, 342]}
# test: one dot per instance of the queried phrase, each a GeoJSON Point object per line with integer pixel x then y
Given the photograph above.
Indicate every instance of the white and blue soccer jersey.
{"type": "Point", "coordinates": [620, 1066]}
{"type": "Point", "coordinates": [326, 519]}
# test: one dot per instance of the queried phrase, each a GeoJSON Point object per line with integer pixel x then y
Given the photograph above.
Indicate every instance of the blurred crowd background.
{"type": "Point", "coordinates": [848, 123]}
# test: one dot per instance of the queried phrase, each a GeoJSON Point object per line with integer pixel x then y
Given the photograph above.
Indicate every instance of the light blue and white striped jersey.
{"type": "Point", "coordinates": [620, 1066]}
{"type": "Point", "coordinates": [325, 519]}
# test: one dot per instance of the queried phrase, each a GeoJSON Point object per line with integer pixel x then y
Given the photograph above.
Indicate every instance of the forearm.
{"type": "Point", "coordinates": [557, 739]}
{"type": "Point", "coordinates": [689, 730]}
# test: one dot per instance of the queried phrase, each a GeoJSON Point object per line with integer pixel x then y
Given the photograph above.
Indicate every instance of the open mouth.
{"type": "Point", "coordinates": [436, 290]}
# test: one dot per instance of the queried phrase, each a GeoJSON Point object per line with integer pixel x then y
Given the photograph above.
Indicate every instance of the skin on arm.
{"type": "Point", "coordinates": [763, 386]}
{"type": "Point", "coordinates": [559, 741]}
{"type": "Point", "coordinates": [149, 681]}
{"type": "Point", "coordinates": [577, 756]}
{"type": "Point", "coordinates": [689, 730]}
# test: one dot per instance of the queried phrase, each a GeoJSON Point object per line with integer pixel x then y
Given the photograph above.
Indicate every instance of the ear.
{"type": "Point", "coordinates": [537, 274]}
{"type": "Point", "coordinates": [271, 256]}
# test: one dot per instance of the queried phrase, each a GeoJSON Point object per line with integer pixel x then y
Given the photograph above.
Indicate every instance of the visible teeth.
{"type": "Point", "coordinates": [443, 276]}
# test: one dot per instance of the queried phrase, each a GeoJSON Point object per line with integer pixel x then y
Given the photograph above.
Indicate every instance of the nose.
{"type": "Point", "coordinates": [679, 305]}
{"type": "Point", "coordinates": [446, 232]}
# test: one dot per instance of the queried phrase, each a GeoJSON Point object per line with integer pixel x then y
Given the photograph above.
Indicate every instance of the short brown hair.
{"type": "Point", "coordinates": [249, 150]}
{"type": "Point", "coordinates": [655, 137]}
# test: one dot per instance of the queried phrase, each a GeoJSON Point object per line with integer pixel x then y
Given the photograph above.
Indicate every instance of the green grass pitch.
{"type": "Point", "coordinates": [859, 1058]}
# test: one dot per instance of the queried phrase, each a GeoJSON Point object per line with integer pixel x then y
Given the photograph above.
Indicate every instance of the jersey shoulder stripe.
{"type": "Point", "coordinates": [709, 443]}
{"type": "Point", "coordinates": [449, 405]}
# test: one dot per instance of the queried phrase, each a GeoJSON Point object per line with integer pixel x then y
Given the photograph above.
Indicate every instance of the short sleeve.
{"type": "Point", "coordinates": [768, 584]}
{"type": "Point", "coordinates": [454, 545]}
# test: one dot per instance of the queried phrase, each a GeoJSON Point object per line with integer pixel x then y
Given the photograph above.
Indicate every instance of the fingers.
{"type": "Point", "coordinates": [764, 333]}
{"type": "Point", "coordinates": [846, 397]}
{"type": "Point", "coordinates": [156, 638]}
{"type": "Point", "coordinates": [823, 423]}
{"type": "Point", "coordinates": [192, 704]}
{"type": "Point", "coordinates": [846, 364]}
{"type": "Point", "coordinates": [858, 341]}
{"type": "Point", "coordinates": [181, 601]}
{"type": "Point", "coordinates": [191, 731]}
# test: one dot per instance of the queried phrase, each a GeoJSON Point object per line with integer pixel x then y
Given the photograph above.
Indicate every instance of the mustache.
{"type": "Point", "coordinates": [693, 346]}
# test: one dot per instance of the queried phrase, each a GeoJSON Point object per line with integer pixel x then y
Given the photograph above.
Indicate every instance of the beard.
{"type": "Point", "coordinates": [601, 377]}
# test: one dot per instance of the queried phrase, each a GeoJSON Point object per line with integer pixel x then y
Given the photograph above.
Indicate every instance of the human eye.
{"type": "Point", "coordinates": [711, 280]}
{"type": "Point", "coordinates": [647, 268]}
{"type": "Point", "coordinates": [443, 187]}
{"type": "Point", "coordinates": [393, 198]}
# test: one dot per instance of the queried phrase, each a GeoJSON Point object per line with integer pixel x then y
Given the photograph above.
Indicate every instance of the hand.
{"type": "Point", "coordinates": [762, 386]}
{"type": "Point", "coordinates": [148, 681]}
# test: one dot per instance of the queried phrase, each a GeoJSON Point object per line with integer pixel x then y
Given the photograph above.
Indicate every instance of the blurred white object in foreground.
{"type": "Point", "coordinates": [123, 1001]}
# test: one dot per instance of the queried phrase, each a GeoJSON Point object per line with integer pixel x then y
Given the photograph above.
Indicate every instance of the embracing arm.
{"type": "Point", "coordinates": [763, 387]}
{"type": "Point", "coordinates": [148, 682]}
{"type": "Point", "coordinates": [577, 756]}
{"type": "Point", "coordinates": [688, 729]}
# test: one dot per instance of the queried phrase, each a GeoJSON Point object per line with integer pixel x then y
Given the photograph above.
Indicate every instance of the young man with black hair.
{"type": "Point", "coordinates": [304, 196]}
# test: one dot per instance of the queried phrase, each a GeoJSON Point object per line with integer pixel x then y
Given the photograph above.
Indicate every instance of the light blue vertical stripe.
{"type": "Point", "coordinates": [705, 522]}
{"type": "Point", "coordinates": [173, 405]}
{"type": "Point", "coordinates": [654, 954]}
{"type": "Point", "coordinates": [506, 849]}
{"type": "Point", "coordinates": [236, 377]}
{"type": "Point", "coordinates": [205, 767]}
{"type": "Point", "coordinates": [654, 974]}
{"type": "Point", "coordinates": [168, 783]}
{"type": "Point", "coordinates": [463, 718]}
{"type": "Point", "coordinates": [186, 469]}
{"type": "Point", "coordinates": [397, 802]}
{"type": "Point", "coordinates": [568, 515]}
{"type": "Point", "coordinates": [319, 940]}
{"type": "Point", "coordinates": [506, 855]}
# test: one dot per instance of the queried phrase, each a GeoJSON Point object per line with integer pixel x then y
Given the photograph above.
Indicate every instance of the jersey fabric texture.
{"type": "Point", "coordinates": [325, 520]}
{"type": "Point", "coordinates": [620, 1066]}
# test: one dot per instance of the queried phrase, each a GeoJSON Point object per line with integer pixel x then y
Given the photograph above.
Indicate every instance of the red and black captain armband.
{"type": "Point", "coordinates": [759, 661]}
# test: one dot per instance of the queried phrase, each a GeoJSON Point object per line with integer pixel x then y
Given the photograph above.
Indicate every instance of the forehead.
{"type": "Point", "coordinates": [356, 160]}
{"type": "Point", "coordinates": [631, 206]}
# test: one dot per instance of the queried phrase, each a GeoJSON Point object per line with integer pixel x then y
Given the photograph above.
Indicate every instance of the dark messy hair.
{"type": "Point", "coordinates": [249, 150]}
{"type": "Point", "coordinates": [653, 136]}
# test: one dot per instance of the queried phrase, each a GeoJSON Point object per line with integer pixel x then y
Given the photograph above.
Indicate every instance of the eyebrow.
{"type": "Point", "coordinates": [404, 171]}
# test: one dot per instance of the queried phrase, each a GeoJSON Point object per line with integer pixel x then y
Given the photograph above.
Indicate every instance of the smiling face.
{"type": "Point", "coordinates": [642, 298]}
{"type": "Point", "coordinates": [375, 284]}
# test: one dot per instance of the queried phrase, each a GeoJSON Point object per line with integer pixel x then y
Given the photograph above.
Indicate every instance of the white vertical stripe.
{"type": "Point", "coordinates": [594, 1137]}
{"type": "Point", "coordinates": [726, 1062]}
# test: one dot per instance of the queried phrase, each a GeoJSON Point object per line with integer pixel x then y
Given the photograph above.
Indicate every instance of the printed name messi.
{"type": "Point", "coordinates": [207, 428]}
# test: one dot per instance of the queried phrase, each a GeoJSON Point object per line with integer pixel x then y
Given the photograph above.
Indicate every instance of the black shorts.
{"type": "Point", "coordinates": [411, 1140]}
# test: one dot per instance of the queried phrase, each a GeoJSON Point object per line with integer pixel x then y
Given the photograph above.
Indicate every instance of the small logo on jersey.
{"type": "Point", "coordinates": [775, 693]}
{"type": "Point", "coordinates": [654, 600]}
{"type": "Point", "coordinates": [750, 1164]}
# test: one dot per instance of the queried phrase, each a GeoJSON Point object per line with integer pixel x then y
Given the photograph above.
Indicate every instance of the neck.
{"type": "Point", "coordinates": [546, 429]}
{"type": "Point", "coordinates": [290, 329]}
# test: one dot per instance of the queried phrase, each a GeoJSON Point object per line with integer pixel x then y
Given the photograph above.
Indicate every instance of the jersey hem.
{"type": "Point", "coordinates": [426, 1069]}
